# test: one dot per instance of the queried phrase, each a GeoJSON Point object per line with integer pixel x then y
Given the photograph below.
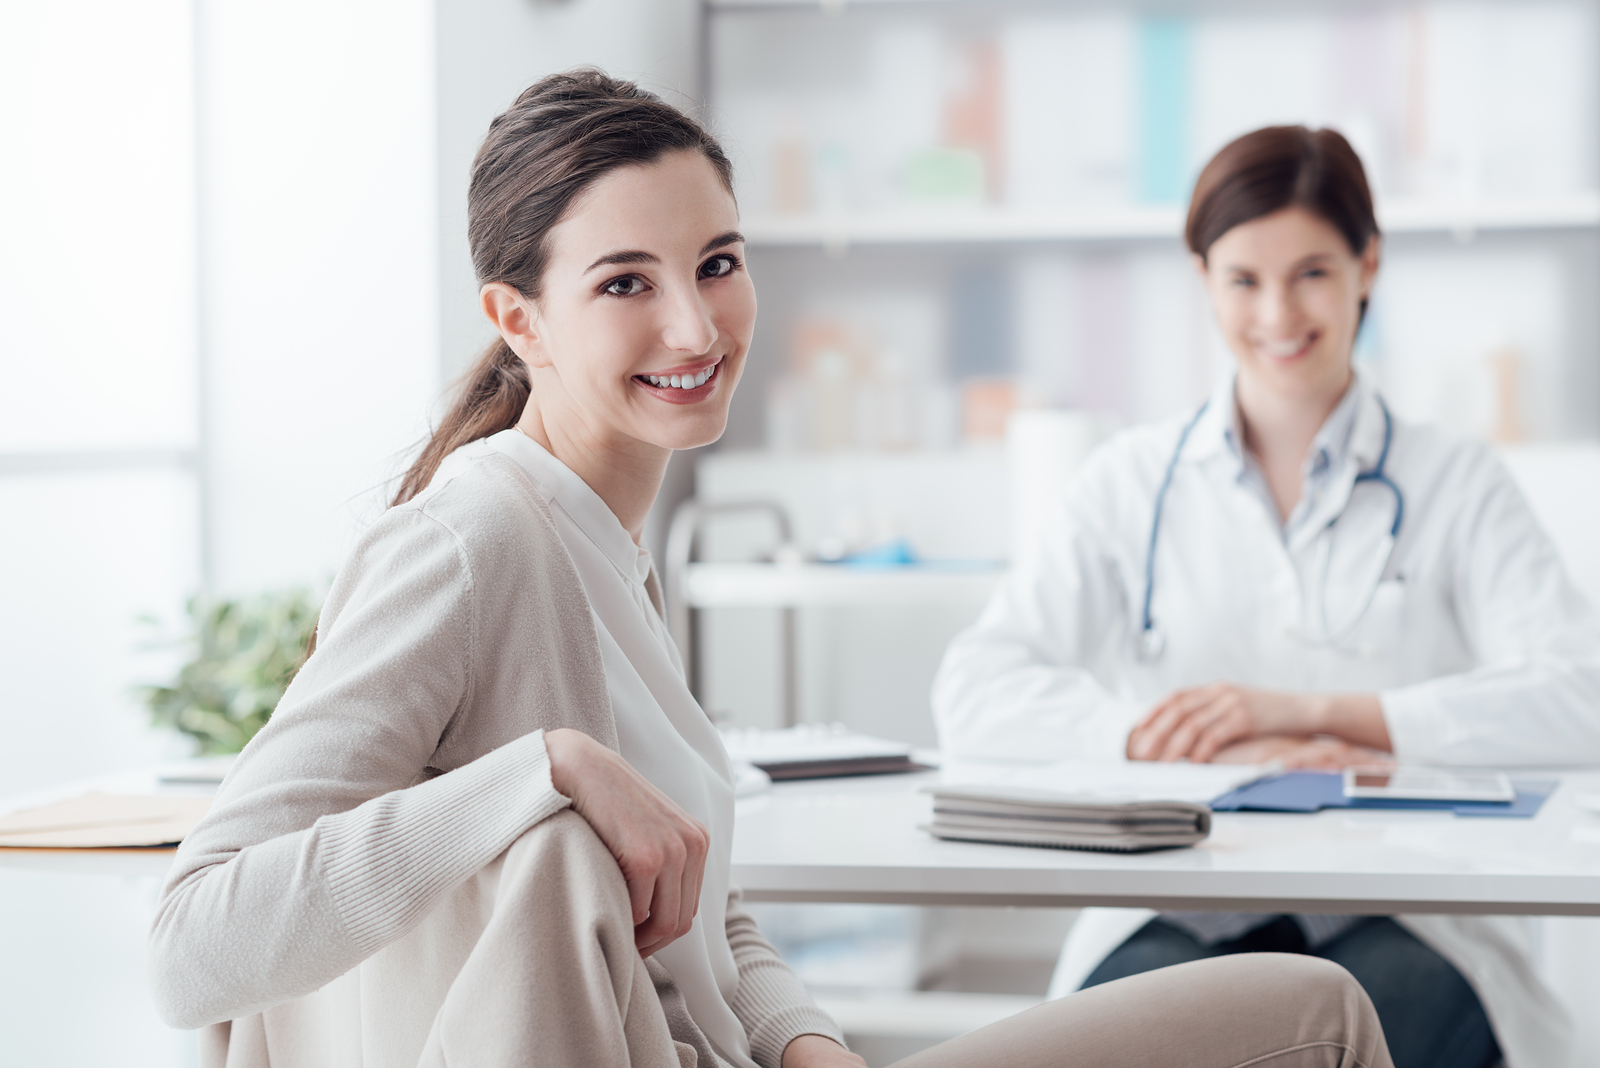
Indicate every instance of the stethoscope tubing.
{"type": "Point", "coordinates": [1151, 640]}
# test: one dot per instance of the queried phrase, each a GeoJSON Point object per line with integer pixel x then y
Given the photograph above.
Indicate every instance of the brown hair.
{"type": "Point", "coordinates": [1278, 167]}
{"type": "Point", "coordinates": [565, 132]}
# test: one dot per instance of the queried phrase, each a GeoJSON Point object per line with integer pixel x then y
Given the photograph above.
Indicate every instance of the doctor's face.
{"type": "Point", "coordinates": [1287, 294]}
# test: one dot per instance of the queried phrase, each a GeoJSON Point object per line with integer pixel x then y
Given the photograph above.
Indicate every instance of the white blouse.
{"type": "Point", "coordinates": [661, 729]}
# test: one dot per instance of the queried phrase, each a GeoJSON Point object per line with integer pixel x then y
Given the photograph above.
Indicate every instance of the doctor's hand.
{"type": "Point", "coordinates": [1292, 751]}
{"type": "Point", "coordinates": [1196, 724]}
{"type": "Point", "coordinates": [660, 848]}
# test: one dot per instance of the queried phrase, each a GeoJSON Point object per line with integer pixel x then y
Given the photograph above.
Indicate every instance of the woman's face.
{"type": "Point", "coordinates": [645, 287]}
{"type": "Point", "coordinates": [1287, 293]}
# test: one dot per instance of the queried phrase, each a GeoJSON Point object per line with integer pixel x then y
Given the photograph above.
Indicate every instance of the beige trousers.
{"type": "Point", "coordinates": [1272, 1010]}
{"type": "Point", "coordinates": [557, 962]}
{"type": "Point", "coordinates": [532, 962]}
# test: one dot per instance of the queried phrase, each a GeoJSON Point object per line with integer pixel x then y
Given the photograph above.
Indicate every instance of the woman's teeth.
{"type": "Point", "coordinates": [681, 381]}
{"type": "Point", "coordinates": [1281, 349]}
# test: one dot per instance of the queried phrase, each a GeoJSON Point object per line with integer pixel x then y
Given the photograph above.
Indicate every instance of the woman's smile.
{"type": "Point", "coordinates": [1284, 350]}
{"type": "Point", "coordinates": [689, 384]}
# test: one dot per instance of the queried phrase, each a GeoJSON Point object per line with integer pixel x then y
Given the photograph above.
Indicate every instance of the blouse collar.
{"type": "Point", "coordinates": [562, 486]}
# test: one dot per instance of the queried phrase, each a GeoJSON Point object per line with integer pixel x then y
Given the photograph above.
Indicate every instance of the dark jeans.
{"type": "Point", "coordinates": [1430, 1015]}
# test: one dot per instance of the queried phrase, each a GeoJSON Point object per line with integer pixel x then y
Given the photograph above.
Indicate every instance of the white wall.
{"type": "Point", "coordinates": [97, 357]}
{"type": "Point", "coordinates": [318, 273]}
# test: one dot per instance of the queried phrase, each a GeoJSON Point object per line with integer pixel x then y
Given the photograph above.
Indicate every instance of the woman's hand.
{"type": "Point", "coordinates": [1291, 751]}
{"type": "Point", "coordinates": [819, 1051]}
{"type": "Point", "coordinates": [660, 848]}
{"type": "Point", "coordinates": [1197, 724]}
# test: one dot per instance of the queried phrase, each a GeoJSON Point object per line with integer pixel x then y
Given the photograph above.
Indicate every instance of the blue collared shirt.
{"type": "Point", "coordinates": [1324, 459]}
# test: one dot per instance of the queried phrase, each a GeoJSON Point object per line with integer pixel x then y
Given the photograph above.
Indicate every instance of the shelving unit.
{"type": "Point", "coordinates": [1141, 222]}
{"type": "Point", "coordinates": [1062, 272]}
{"type": "Point", "coordinates": [833, 585]}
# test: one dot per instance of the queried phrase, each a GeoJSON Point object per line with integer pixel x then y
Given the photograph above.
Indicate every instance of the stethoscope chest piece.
{"type": "Point", "coordinates": [1150, 643]}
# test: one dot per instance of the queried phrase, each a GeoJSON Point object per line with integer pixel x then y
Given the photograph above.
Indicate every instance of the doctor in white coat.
{"type": "Point", "coordinates": [1291, 573]}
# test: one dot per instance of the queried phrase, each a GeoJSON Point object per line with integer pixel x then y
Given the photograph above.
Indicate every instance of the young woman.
{"type": "Point", "coordinates": [1290, 573]}
{"type": "Point", "coordinates": [488, 824]}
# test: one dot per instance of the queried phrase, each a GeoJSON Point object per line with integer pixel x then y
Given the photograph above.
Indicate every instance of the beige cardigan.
{"type": "Point", "coordinates": [406, 755]}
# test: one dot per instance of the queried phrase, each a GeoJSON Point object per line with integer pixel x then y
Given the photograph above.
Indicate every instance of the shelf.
{"type": "Point", "coordinates": [1133, 222]}
{"type": "Point", "coordinates": [796, 585]}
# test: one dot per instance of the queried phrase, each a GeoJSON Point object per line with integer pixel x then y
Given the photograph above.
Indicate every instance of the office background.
{"type": "Point", "coordinates": [234, 281]}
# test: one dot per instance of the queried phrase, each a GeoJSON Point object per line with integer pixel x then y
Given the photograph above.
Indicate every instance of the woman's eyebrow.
{"type": "Point", "coordinates": [732, 237]}
{"type": "Point", "coordinates": [634, 255]}
{"type": "Point", "coordinates": [631, 255]}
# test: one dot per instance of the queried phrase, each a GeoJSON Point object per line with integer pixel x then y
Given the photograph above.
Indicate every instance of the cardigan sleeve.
{"type": "Point", "coordinates": [771, 1002]}
{"type": "Point", "coordinates": [332, 837]}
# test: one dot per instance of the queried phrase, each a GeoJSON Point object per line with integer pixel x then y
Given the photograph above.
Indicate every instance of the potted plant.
{"type": "Point", "coordinates": [246, 651]}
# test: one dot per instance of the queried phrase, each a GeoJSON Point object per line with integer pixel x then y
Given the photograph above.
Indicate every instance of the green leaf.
{"type": "Point", "coordinates": [246, 652]}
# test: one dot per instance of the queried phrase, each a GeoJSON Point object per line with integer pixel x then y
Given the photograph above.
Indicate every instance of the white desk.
{"type": "Point", "coordinates": [857, 840]}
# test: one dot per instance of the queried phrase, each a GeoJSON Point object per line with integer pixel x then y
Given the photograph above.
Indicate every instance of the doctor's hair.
{"type": "Point", "coordinates": [1279, 167]}
{"type": "Point", "coordinates": [563, 134]}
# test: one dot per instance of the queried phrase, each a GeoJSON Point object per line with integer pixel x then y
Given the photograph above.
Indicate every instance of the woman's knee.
{"type": "Point", "coordinates": [1315, 1002]}
{"type": "Point", "coordinates": [561, 857]}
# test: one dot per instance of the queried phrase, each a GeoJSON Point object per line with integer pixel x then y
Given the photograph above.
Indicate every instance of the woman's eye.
{"type": "Point", "coordinates": [1242, 282]}
{"type": "Point", "coordinates": [628, 286]}
{"type": "Point", "coordinates": [719, 266]}
{"type": "Point", "coordinates": [1316, 272]}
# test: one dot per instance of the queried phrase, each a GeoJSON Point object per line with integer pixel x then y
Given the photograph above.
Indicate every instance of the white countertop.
{"type": "Point", "coordinates": [858, 840]}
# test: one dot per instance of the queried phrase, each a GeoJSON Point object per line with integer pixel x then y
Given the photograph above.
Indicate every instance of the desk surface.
{"type": "Point", "coordinates": [858, 840]}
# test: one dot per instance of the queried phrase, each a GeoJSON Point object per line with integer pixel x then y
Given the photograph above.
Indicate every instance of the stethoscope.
{"type": "Point", "coordinates": [1151, 641]}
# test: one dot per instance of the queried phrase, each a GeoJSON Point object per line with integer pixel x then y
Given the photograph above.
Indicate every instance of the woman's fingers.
{"type": "Point", "coordinates": [661, 928]}
{"type": "Point", "coordinates": [1150, 737]}
{"type": "Point", "coordinates": [1199, 714]}
{"type": "Point", "coordinates": [693, 872]}
{"type": "Point", "coordinates": [1220, 733]}
{"type": "Point", "coordinates": [659, 848]}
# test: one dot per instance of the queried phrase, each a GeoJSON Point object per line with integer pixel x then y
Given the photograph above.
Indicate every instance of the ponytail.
{"type": "Point", "coordinates": [490, 399]}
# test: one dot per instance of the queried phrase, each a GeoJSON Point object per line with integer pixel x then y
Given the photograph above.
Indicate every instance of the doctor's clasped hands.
{"type": "Point", "coordinates": [1230, 724]}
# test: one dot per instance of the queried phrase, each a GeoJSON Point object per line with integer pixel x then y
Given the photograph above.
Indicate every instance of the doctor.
{"type": "Point", "coordinates": [1291, 573]}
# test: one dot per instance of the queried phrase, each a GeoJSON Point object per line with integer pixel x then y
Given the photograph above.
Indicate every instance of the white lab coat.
{"type": "Point", "coordinates": [1480, 648]}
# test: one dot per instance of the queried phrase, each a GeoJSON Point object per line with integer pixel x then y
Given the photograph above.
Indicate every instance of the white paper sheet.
{"type": "Point", "coordinates": [1127, 781]}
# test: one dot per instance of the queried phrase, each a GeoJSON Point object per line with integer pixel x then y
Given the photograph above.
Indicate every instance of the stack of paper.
{"type": "Point", "coordinates": [1116, 807]}
{"type": "Point", "coordinates": [103, 821]}
{"type": "Point", "coordinates": [816, 751]}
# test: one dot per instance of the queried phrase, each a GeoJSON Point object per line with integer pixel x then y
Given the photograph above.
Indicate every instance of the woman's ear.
{"type": "Point", "coordinates": [517, 320]}
{"type": "Point", "coordinates": [1371, 256]}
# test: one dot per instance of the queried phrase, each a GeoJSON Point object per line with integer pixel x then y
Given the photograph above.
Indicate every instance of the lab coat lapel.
{"type": "Point", "coordinates": [1344, 549]}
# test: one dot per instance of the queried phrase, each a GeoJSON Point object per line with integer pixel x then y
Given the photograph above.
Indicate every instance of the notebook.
{"type": "Point", "coordinates": [103, 821]}
{"type": "Point", "coordinates": [1019, 816]}
{"type": "Point", "coordinates": [1120, 807]}
{"type": "Point", "coordinates": [817, 751]}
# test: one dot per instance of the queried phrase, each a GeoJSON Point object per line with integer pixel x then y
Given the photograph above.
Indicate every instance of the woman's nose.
{"type": "Point", "coordinates": [689, 326]}
{"type": "Point", "coordinates": [1276, 308]}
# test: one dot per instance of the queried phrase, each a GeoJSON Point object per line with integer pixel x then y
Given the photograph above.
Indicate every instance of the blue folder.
{"type": "Point", "coordinates": [1312, 791]}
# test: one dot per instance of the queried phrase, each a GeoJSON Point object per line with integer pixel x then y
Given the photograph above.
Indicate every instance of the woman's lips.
{"type": "Point", "coordinates": [663, 386]}
{"type": "Point", "coordinates": [1287, 349]}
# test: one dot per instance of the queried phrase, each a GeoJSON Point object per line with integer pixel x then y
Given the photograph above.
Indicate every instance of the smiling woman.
{"type": "Point", "coordinates": [1293, 574]}
{"type": "Point", "coordinates": [388, 871]}
{"type": "Point", "coordinates": [636, 340]}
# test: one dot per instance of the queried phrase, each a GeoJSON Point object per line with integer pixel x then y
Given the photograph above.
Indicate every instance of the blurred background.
{"type": "Point", "coordinates": [234, 283]}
